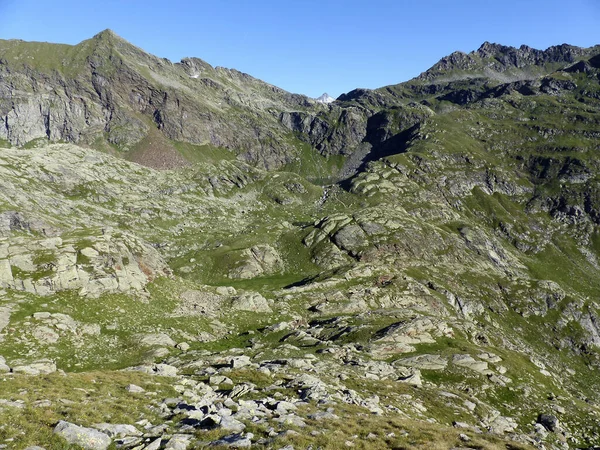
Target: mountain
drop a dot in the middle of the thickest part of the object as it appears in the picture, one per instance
(191, 257)
(325, 98)
(110, 94)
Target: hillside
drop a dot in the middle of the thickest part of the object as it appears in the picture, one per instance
(192, 258)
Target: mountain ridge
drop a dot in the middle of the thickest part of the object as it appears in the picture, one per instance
(267, 134)
(415, 266)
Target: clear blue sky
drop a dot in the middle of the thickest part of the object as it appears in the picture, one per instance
(310, 46)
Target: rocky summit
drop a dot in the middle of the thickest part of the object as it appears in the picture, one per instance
(193, 258)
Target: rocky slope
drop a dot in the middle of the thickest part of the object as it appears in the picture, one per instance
(417, 268)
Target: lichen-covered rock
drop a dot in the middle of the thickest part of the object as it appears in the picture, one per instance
(259, 260)
(35, 368)
(121, 263)
(251, 301)
(156, 339)
(117, 430)
(87, 438)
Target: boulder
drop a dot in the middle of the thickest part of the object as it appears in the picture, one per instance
(134, 389)
(257, 261)
(3, 366)
(240, 361)
(179, 442)
(549, 422)
(251, 302)
(156, 340)
(44, 366)
(470, 363)
(183, 346)
(237, 440)
(410, 376)
(118, 430)
(431, 362)
(350, 238)
(163, 370)
(87, 438)
(502, 424)
(230, 424)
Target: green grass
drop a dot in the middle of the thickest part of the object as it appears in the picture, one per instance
(84, 399)
(203, 153)
(316, 168)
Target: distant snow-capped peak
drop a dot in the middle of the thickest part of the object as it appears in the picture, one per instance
(325, 98)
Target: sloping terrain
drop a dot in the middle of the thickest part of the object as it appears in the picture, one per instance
(410, 267)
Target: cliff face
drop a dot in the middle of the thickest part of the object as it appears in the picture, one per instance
(105, 90)
(109, 94)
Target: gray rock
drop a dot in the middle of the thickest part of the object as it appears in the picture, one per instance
(118, 430)
(134, 388)
(310, 387)
(411, 376)
(323, 415)
(284, 407)
(251, 302)
(231, 424)
(257, 261)
(291, 419)
(216, 380)
(226, 290)
(350, 238)
(224, 412)
(37, 368)
(549, 422)
(502, 424)
(470, 363)
(237, 440)
(12, 404)
(87, 438)
(431, 362)
(154, 445)
(14, 221)
(158, 340)
(183, 346)
(41, 315)
(3, 366)
(128, 442)
(279, 327)
(163, 370)
(489, 357)
(241, 389)
(45, 335)
(540, 430)
(199, 303)
(238, 362)
(5, 311)
(179, 442)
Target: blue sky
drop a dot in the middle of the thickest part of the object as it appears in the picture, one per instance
(310, 46)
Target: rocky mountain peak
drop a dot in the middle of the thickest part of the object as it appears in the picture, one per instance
(103, 43)
(488, 49)
(325, 98)
(493, 60)
(108, 35)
